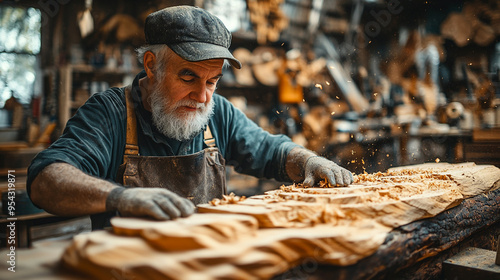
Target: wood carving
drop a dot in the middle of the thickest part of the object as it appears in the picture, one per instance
(267, 18)
(265, 235)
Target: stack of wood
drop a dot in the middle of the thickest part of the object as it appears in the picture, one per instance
(268, 19)
(264, 235)
(478, 22)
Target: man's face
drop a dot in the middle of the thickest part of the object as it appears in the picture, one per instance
(181, 100)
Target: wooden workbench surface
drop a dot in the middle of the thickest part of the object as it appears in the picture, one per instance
(41, 262)
(398, 233)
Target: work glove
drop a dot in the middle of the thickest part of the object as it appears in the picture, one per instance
(304, 165)
(157, 203)
(318, 168)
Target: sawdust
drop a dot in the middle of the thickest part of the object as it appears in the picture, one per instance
(369, 188)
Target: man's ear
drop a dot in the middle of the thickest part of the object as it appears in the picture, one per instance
(149, 62)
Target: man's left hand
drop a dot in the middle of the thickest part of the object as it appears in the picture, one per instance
(319, 168)
(304, 165)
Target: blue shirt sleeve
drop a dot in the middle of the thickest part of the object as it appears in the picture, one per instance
(92, 140)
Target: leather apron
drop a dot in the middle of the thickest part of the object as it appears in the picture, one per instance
(200, 177)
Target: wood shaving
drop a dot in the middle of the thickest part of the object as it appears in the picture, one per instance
(337, 203)
(325, 184)
(227, 199)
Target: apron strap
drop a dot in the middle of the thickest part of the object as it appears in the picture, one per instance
(208, 138)
(131, 144)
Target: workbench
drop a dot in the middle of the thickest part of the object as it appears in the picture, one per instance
(32, 227)
(412, 251)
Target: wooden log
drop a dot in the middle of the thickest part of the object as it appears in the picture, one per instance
(437, 238)
(293, 230)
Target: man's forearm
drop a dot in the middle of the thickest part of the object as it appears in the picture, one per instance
(62, 189)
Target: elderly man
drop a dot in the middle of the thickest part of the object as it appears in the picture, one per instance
(158, 147)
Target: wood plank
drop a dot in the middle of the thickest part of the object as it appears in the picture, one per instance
(16, 145)
(3, 218)
(194, 232)
(492, 134)
(65, 227)
(268, 253)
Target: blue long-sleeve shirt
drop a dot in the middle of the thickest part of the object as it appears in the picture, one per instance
(94, 139)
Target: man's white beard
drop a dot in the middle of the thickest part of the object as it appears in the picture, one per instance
(181, 126)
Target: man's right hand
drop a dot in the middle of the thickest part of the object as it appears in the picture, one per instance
(157, 203)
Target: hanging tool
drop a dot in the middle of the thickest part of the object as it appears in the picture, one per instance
(85, 20)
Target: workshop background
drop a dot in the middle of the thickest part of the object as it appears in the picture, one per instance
(369, 84)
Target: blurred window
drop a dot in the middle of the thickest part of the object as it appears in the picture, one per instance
(20, 43)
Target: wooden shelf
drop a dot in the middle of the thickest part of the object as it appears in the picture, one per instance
(492, 134)
(74, 76)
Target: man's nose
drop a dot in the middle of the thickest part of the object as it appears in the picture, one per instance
(200, 93)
